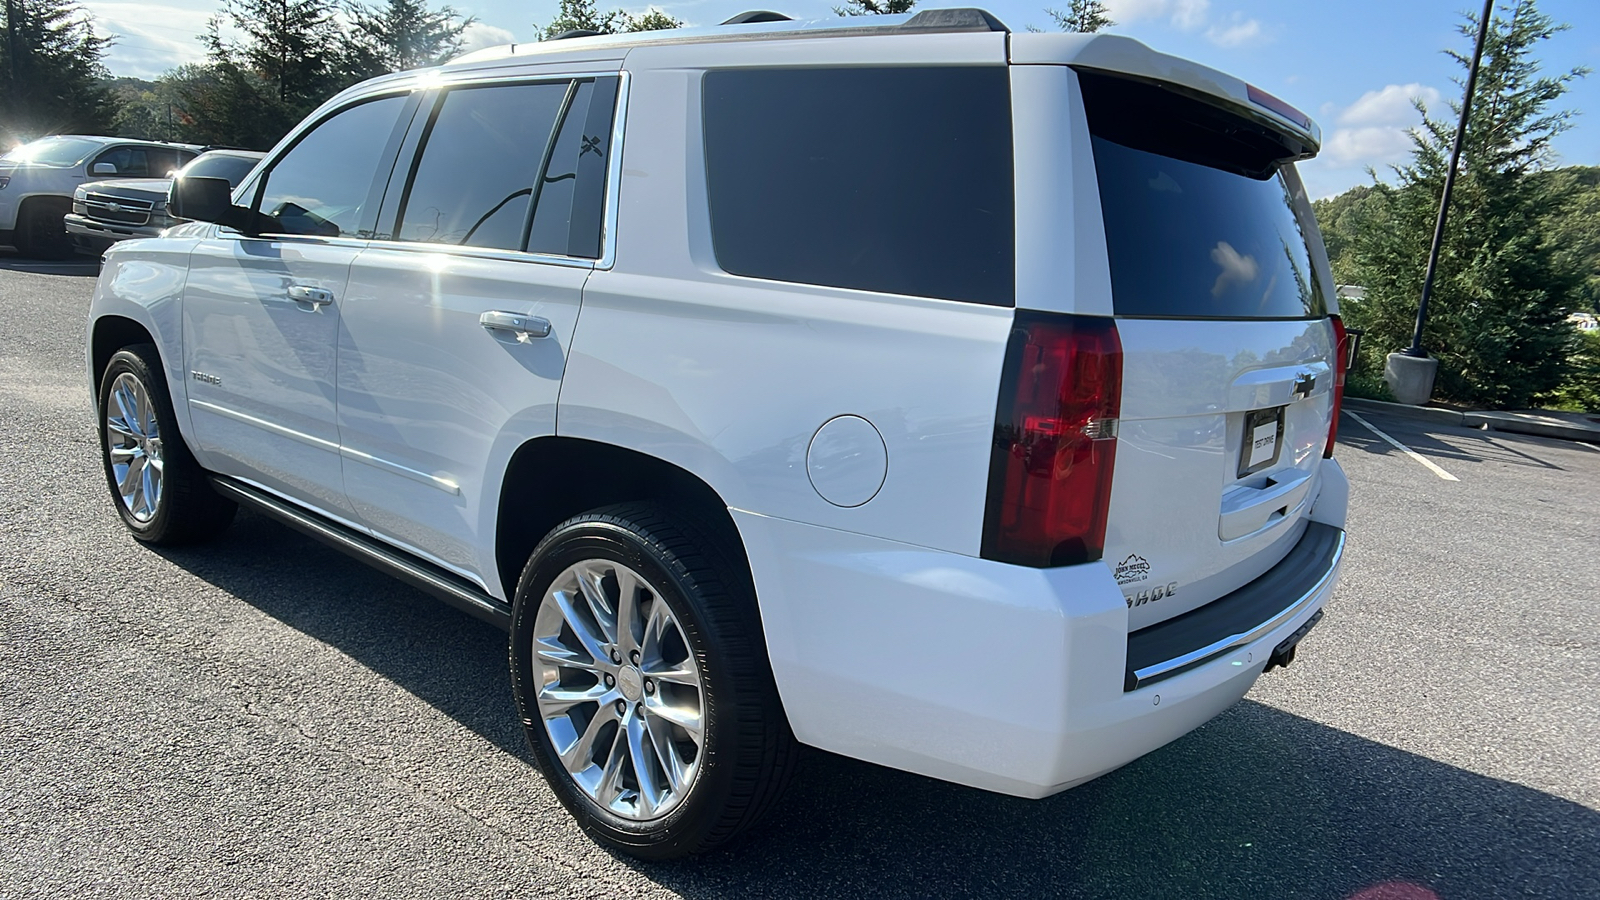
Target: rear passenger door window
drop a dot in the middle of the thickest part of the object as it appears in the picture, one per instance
(897, 180)
(511, 167)
(473, 180)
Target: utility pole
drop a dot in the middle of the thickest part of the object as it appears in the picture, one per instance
(1415, 350)
(11, 42)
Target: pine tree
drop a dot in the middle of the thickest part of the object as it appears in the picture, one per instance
(874, 7)
(52, 77)
(1082, 16)
(1502, 291)
(292, 45)
(585, 15)
(401, 34)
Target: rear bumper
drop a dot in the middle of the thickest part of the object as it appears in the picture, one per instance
(1000, 677)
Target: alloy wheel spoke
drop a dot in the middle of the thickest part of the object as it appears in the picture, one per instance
(610, 785)
(650, 795)
(577, 757)
(591, 582)
(687, 719)
(593, 641)
(560, 655)
(660, 741)
(130, 479)
(118, 426)
(121, 455)
(127, 407)
(557, 699)
(627, 611)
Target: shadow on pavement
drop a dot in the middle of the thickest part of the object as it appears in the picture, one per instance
(1257, 804)
(1463, 444)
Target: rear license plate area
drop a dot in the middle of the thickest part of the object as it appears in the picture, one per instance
(1263, 440)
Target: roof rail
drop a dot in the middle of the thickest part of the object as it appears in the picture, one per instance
(961, 19)
(575, 33)
(757, 15)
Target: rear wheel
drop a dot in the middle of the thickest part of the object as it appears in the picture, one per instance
(157, 486)
(641, 676)
(41, 232)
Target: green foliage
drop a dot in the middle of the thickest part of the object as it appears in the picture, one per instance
(1502, 291)
(585, 15)
(399, 35)
(1082, 16)
(55, 81)
(874, 7)
(1574, 226)
(1580, 392)
(291, 45)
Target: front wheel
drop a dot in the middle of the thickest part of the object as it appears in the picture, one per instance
(158, 488)
(641, 676)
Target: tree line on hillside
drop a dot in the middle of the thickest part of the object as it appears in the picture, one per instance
(1522, 247)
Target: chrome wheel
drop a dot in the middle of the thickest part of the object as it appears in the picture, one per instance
(133, 447)
(619, 691)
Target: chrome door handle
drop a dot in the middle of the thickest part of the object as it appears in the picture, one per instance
(316, 297)
(522, 328)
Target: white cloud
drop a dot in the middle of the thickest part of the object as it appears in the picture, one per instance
(151, 38)
(479, 36)
(1392, 105)
(1190, 14)
(1236, 32)
(1372, 132)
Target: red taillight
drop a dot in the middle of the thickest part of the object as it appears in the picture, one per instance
(1341, 362)
(1055, 441)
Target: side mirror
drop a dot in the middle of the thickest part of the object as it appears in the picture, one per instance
(103, 169)
(206, 200)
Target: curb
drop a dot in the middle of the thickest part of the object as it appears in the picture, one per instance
(1426, 413)
(1532, 423)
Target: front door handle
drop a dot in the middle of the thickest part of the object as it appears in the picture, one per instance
(311, 297)
(515, 325)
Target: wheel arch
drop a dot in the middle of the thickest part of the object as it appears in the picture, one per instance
(550, 479)
(109, 334)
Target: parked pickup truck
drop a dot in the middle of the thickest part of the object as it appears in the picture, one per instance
(104, 212)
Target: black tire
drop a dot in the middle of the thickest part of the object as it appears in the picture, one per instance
(186, 509)
(748, 752)
(41, 231)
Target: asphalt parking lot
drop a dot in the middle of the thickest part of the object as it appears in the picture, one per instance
(264, 717)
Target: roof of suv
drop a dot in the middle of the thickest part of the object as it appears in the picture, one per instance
(1105, 52)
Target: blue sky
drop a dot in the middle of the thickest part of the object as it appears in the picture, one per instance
(1354, 65)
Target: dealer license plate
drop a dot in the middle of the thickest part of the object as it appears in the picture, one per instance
(1263, 438)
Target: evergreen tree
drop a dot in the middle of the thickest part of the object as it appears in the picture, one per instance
(294, 46)
(585, 15)
(874, 7)
(1501, 292)
(401, 34)
(51, 72)
(1082, 16)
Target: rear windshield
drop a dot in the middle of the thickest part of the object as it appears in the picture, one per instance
(1201, 222)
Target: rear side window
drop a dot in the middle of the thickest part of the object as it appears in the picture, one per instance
(571, 193)
(896, 180)
(474, 180)
(1200, 221)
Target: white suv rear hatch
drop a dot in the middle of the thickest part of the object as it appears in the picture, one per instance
(1221, 293)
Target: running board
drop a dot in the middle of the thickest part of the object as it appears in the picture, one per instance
(425, 576)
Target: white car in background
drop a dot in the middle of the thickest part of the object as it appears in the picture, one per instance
(37, 180)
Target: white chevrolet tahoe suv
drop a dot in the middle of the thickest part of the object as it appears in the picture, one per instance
(952, 399)
(38, 179)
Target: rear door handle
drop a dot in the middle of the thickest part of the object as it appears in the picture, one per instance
(515, 325)
(312, 297)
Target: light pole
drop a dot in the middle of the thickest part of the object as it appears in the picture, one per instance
(1410, 372)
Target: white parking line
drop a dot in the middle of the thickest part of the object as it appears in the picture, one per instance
(1432, 467)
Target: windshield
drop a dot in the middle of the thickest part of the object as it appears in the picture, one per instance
(221, 165)
(56, 152)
